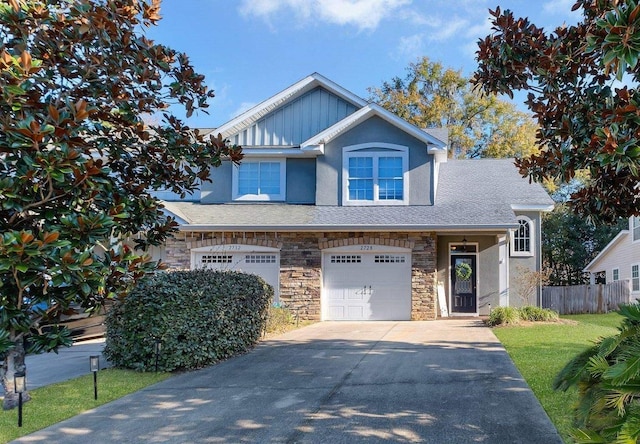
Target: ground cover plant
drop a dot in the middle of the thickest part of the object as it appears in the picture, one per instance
(57, 402)
(541, 350)
(513, 315)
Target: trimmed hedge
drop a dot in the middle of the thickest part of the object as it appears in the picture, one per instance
(199, 316)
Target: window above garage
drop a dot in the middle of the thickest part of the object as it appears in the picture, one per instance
(375, 174)
(259, 180)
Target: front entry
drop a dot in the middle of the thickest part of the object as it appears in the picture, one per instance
(463, 283)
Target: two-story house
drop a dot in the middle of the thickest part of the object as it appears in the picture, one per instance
(620, 259)
(351, 213)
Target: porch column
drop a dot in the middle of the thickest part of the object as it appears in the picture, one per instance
(503, 269)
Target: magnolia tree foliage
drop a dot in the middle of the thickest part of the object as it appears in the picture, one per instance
(480, 125)
(77, 163)
(582, 89)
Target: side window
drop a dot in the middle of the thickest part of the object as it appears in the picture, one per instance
(635, 277)
(615, 274)
(522, 240)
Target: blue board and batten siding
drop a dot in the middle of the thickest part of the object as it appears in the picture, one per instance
(296, 122)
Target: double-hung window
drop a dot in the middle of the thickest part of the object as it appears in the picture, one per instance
(635, 227)
(522, 238)
(259, 179)
(375, 174)
(635, 277)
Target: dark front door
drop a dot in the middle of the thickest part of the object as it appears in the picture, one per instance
(463, 283)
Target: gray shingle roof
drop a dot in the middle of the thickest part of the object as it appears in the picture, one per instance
(471, 194)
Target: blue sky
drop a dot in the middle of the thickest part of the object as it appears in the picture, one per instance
(250, 50)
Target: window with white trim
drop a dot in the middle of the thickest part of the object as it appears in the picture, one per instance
(615, 274)
(635, 277)
(635, 227)
(375, 174)
(522, 238)
(259, 179)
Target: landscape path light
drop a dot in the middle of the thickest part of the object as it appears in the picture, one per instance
(94, 365)
(158, 349)
(20, 386)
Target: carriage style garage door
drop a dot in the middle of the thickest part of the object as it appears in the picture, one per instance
(370, 283)
(263, 261)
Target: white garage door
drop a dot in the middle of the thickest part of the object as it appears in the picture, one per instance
(363, 285)
(265, 264)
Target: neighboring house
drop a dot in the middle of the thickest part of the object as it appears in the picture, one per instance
(620, 259)
(351, 213)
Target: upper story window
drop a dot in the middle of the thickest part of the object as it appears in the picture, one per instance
(522, 238)
(635, 227)
(375, 174)
(259, 179)
(635, 277)
(615, 274)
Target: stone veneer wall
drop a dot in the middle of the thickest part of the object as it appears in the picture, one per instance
(301, 262)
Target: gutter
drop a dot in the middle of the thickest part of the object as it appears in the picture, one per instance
(339, 228)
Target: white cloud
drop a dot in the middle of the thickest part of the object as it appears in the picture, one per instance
(363, 14)
(557, 7)
(448, 28)
(244, 106)
(475, 33)
(410, 47)
(560, 10)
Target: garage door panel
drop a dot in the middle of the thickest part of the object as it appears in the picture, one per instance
(368, 286)
(355, 312)
(265, 265)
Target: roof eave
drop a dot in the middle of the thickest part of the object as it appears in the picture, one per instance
(605, 250)
(339, 228)
(533, 207)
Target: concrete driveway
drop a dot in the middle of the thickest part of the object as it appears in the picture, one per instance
(435, 382)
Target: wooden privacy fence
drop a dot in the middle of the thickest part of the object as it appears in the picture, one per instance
(594, 298)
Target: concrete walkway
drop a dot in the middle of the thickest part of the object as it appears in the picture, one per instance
(434, 382)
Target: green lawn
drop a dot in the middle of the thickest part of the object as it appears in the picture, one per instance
(57, 402)
(541, 351)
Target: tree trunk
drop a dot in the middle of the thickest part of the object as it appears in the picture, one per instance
(13, 362)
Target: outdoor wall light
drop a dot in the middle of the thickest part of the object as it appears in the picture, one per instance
(20, 386)
(94, 365)
(158, 349)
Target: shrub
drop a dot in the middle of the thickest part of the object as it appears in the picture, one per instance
(199, 316)
(504, 316)
(537, 314)
(278, 319)
(608, 379)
